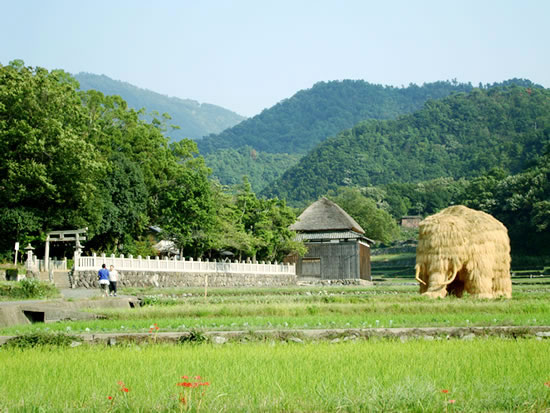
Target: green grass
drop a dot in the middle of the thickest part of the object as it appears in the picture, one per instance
(393, 257)
(27, 289)
(391, 305)
(380, 375)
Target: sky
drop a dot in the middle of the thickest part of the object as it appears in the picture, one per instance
(247, 55)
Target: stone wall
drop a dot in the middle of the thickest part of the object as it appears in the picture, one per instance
(88, 279)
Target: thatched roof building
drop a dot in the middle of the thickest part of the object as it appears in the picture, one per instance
(337, 246)
(325, 215)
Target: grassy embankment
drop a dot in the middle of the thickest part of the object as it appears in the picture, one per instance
(396, 304)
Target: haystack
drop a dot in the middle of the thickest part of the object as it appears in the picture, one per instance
(461, 249)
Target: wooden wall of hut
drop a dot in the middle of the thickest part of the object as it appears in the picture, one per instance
(335, 261)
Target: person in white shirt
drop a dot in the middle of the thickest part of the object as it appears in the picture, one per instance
(113, 278)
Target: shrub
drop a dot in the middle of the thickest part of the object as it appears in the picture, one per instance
(28, 288)
(39, 339)
(194, 337)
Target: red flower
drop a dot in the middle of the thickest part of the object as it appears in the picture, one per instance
(206, 383)
(197, 377)
(182, 399)
(452, 401)
(547, 384)
(120, 383)
(125, 390)
(184, 377)
(110, 397)
(445, 391)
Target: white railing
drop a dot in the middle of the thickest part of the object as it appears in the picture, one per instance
(55, 265)
(130, 263)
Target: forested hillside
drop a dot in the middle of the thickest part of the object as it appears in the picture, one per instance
(463, 135)
(73, 159)
(296, 125)
(194, 119)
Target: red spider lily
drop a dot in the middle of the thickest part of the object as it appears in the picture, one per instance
(184, 377)
(206, 383)
(197, 377)
(452, 401)
(110, 397)
(445, 391)
(125, 390)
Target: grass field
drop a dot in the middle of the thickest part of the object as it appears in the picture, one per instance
(393, 305)
(481, 375)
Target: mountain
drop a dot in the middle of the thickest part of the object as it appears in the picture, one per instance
(463, 135)
(194, 119)
(295, 125)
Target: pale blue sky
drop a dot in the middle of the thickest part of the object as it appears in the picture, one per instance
(248, 55)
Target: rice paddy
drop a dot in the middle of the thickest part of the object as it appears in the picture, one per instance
(481, 374)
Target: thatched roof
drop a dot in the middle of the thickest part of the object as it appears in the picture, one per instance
(325, 215)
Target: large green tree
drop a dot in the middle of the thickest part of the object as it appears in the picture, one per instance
(377, 223)
(185, 201)
(49, 171)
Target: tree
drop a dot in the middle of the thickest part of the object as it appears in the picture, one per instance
(49, 171)
(377, 223)
(185, 201)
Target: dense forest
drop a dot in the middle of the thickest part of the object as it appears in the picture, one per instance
(73, 159)
(194, 119)
(520, 201)
(461, 136)
(297, 124)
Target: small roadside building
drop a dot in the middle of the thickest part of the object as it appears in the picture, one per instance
(337, 246)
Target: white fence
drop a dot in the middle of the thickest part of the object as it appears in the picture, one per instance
(147, 264)
(55, 265)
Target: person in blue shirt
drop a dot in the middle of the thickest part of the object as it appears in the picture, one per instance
(103, 276)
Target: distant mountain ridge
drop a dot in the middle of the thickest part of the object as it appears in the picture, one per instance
(297, 124)
(194, 119)
(264, 146)
(462, 135)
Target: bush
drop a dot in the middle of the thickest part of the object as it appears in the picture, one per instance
(194, 337)
(39, 339)
(28, 288)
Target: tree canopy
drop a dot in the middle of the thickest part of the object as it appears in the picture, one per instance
(75, 159)
(461, 136)
(275, 139)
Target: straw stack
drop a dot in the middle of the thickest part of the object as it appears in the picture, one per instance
(460, 249)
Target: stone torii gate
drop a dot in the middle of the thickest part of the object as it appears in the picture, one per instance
(63, 236)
